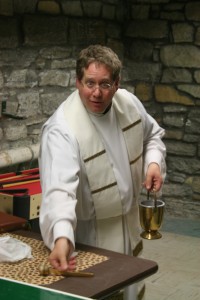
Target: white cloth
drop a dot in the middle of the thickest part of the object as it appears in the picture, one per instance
(13, 250)
(109, 130)
(64, 179)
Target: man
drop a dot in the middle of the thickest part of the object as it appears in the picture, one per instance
(95, 151)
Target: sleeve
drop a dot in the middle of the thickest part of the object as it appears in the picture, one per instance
(154, 149)
(59, 168)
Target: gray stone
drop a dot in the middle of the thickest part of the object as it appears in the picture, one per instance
(153, 1)
(48, 7)
(196, 184)
(177, 177)
(182, 32)
(31, 78)
(49, 35)
(192, 126)
(187, 56)
(177, 190)
(192, 10)
(1, 80)
(191, 138)
(113, 30)
(141, 50)
(193, 90)
(34, 120)
(15, 131)
(6, 8)
(22, 7)
(174, 120)
(54, 78)
(197, 36)
(72, 81)
(141, 71)
(10, 108)
(63, 64)
(17, 79)
(173, 134)
(22, 142)
(9, 33)
(180, 148)
(173, 6)
(140, 12)
(4, 145)
(116, 46)
(194, 114)
(149, 29)
(182, 208)
(172, 16)
(50, 102)
(108, 12)
(1, 135)
(72, 8)
(193, 122)
(176, 75)
(29, 104)
(184, 165)
(56, 52)
(92, 9)
(197, 76)
(40, 63)
(20, 58)
(84, 32)
(174, 108)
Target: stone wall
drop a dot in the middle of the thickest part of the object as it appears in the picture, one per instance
(159, 44)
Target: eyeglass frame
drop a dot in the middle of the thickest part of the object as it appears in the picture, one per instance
(107, 86)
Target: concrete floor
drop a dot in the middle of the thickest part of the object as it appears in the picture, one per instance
(178, 256)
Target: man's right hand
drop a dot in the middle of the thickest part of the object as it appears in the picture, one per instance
(59, 257)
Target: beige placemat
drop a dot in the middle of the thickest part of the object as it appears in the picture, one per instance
(27, 270)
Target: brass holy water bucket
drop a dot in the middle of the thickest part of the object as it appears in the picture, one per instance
(151, 218)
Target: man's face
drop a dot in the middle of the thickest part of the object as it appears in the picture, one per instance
(96, 89)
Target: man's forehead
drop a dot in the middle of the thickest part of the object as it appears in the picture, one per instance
(97, 68)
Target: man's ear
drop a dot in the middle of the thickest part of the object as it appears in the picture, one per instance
(116, 84)
(78, 83)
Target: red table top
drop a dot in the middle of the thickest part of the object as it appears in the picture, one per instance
(31, 187)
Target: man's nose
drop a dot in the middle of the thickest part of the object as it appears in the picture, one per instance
(97, 90)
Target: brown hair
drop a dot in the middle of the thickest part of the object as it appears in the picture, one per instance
(101, 55)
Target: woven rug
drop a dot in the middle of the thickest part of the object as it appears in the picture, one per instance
(27, 270)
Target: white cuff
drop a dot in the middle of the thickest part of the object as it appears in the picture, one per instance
(64, 229)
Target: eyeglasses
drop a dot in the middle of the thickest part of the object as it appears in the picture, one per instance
(103, 86)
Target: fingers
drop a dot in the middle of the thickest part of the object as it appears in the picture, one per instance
(59, 257)
(153, 184)
(62, 264)
(72, 263)
(58, 262)
(153, 181)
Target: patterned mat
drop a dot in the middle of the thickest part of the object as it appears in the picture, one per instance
(27, 270)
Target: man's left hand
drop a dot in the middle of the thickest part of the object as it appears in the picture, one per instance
(153, 181)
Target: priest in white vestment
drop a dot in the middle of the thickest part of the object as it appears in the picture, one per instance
(97, 151)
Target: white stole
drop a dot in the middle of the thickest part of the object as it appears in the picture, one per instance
(105, 193)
